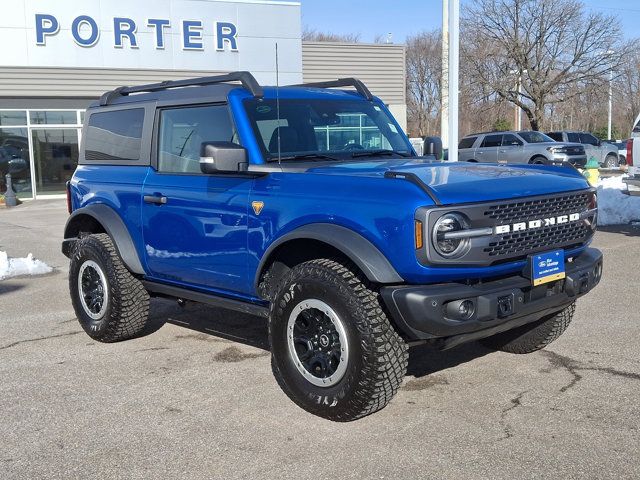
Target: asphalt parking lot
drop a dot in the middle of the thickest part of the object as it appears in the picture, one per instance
(196, 398)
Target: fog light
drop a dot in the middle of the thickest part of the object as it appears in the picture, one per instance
(597, 272)
(461, 309)
(466, 309)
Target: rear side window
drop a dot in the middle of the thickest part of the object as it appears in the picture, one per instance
(557, 136)
(114, 135)
(467, 142)
(573, 137)
(182, 131)
(510, 140)
(492, 141)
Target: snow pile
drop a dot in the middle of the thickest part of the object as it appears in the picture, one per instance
(13, 267)
(615, 207)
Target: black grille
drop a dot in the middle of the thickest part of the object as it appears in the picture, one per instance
(535, 209)
(518, 244)
(522, 243)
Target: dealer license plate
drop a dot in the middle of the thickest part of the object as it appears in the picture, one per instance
(547, 267)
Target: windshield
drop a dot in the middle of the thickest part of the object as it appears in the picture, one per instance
(535, 137)
(326, 129)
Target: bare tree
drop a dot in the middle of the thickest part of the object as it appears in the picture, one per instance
(627, 87)
(424, 66)
(551, 45)
(312, 35)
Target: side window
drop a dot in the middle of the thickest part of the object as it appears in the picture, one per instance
(557, 136)
(182, 131)
(114, 135)
(588, 139)
(492, 141)
(573, 137)
(467, 142)
(510, 140)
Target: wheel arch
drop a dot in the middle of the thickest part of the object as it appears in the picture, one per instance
(100, 218)
(324, 239)
(538, 156)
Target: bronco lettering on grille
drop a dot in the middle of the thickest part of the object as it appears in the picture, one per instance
(533, 224)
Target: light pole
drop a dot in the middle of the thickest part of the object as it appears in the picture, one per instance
(453, 84)
(610, 103)
(444, 106)
(518, 110)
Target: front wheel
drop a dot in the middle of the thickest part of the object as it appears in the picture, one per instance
(334, 351)
(533, 336)
(611, 161)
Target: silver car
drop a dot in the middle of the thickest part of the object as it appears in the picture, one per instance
(519, 147)
(605, 153)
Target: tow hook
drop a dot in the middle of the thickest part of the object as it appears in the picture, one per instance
(505, 306)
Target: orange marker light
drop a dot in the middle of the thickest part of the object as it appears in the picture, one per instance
(418, 234)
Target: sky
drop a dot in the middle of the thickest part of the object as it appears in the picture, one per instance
(403, 18)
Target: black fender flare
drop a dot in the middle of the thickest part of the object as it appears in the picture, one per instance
(115, 228)
(354, 246)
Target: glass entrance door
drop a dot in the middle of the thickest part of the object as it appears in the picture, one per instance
(55, 155)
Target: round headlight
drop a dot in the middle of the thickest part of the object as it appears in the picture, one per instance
(448, 245)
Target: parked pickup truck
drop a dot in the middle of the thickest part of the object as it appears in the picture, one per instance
(307, 206)
(633, 165)
(605, 153)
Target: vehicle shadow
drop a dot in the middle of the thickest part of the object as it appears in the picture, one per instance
(250, 330)
(425, 359)
(628, 230)
(218, 322)
(10, 287)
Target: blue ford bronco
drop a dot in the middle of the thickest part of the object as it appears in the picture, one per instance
(308, 206)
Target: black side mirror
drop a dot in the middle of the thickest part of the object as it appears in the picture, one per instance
(432, 146)
(222, 157)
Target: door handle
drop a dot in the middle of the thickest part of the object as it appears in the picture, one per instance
(157, 199)
(503, 151)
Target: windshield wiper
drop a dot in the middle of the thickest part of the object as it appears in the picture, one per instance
(377, 153)
(305, 156)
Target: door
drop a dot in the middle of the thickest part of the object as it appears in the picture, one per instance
(592, 147)
(488, 149)
(195, 225)
(511, 150)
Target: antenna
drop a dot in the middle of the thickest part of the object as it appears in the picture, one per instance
(278, 104)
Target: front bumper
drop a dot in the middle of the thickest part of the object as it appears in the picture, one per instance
(423, 312)
(577, 161)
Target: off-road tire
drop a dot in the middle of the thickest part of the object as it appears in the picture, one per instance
(611, 161)
(127, 307)
(534, 336)
(377, 355)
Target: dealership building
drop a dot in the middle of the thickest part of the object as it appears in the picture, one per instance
(60, 55)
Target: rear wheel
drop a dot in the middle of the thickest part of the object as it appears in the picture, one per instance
(611, 161)
(534, 336)
(110, 303)
(334, 351)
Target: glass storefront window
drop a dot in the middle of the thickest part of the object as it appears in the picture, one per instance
(55, 154)
(14, 159)
(10, 118)
(53, 117)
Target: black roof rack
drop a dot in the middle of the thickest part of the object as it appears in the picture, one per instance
(341, 82)
(247, 80)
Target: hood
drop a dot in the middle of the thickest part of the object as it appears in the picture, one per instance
(461, 182)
